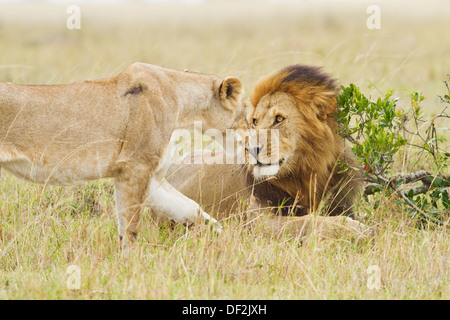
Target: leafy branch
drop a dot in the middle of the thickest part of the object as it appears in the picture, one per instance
(379, 130)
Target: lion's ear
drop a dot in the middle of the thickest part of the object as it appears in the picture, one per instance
(325, 103)
(230, 92)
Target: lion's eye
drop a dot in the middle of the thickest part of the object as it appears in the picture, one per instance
(255, 122)
(279, 119)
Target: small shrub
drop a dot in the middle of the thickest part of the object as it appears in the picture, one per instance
(379, 130)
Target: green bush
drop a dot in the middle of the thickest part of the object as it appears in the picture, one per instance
(379, 130)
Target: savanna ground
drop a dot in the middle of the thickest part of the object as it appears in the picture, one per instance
(43, 231)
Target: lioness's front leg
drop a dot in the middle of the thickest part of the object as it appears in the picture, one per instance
(165, 199)
(130, 192)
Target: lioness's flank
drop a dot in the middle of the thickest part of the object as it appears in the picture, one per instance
(114, 128)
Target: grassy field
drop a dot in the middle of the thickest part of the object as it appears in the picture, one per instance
(43, 231)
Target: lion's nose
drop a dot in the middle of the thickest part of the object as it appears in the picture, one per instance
(255, 151)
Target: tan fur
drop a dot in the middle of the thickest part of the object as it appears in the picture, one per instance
(310, 147)
(114, 128)
(309, 142)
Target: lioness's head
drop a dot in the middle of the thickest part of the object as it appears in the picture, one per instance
(193, 97)
(298, 102)
(229, 102)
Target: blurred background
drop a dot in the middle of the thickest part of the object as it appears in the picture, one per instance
(247, 38)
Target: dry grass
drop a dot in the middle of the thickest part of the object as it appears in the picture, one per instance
(43, 231)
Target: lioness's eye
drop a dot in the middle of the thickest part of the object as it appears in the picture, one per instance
(255, 122)
(279, 119)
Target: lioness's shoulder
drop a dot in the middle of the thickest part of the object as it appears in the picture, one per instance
(140, 69)
(137, 67)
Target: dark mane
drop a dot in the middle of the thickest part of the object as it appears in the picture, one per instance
(299, 80)
(310, 75)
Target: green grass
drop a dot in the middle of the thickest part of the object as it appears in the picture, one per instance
(45, 230)
(39, 242)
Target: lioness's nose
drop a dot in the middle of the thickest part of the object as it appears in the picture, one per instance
(254, 151)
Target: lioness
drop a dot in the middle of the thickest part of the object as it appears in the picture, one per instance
(305, 175)
(114, 128)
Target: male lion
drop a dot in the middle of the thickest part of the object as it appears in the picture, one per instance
(306, 172)
(114, 128)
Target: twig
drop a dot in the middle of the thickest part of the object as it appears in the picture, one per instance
(424, 176)
(421, 175)
(406, 199)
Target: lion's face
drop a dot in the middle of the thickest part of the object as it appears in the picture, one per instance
(270, 141)
(283, 133)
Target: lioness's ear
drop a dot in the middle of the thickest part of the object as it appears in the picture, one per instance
(326, 103)
(230, 91)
